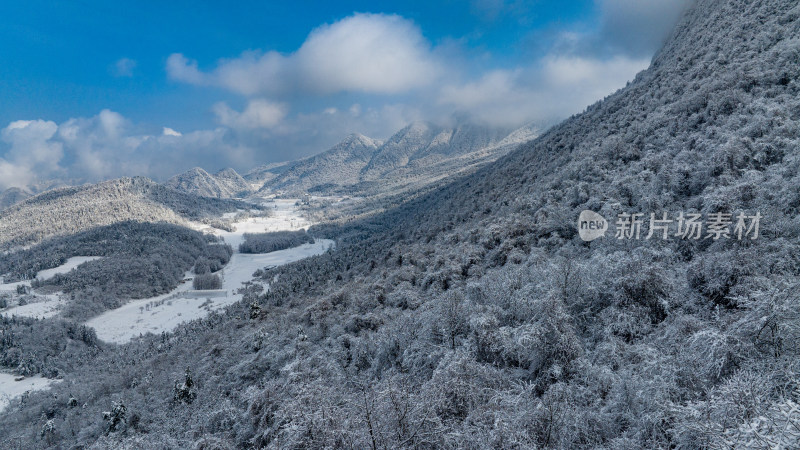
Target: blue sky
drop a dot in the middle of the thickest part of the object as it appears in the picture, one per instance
(93, 90)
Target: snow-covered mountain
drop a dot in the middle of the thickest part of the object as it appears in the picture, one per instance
(231, 182)
(340, 165)
(422, 141)
(415, 156)
(73, 209)
(226, 183)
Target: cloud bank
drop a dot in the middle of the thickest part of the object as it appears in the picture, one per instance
(371, 53)
(386, 59)
(366, 73)
(104, 146)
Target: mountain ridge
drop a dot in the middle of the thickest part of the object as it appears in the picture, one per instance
(78, 208)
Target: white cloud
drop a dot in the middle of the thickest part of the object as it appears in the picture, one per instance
(635, 28)
(558, 87)
(167, 131)
(372, 53)
(31, 153)
(258, 113)
(180, 68)
(108, 145)
(124, 67)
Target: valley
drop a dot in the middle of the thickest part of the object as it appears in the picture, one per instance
(162, 313)
(431, 289)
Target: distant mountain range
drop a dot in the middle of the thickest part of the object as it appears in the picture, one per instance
(416, 156)
(359, 165)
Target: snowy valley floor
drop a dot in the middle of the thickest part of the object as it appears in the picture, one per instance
(165, 312)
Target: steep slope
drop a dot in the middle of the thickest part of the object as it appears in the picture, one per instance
(195, 181)
(474, 316)
(70, 210)
(339, 165)
(397, 150)
(422, 141)
(232, 183)
(415, 157)
(262, 174)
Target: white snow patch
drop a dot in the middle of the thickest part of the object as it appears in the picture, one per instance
(284, 217)
(39, 307)
(241, 267)
(231, 215)
(10, 389)
(71, 263)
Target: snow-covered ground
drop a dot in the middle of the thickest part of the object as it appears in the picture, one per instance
(66, 267)
(39, 307)
(241, 267)
(283, 217)
(42, 306)
(164, 313)
(10, 389)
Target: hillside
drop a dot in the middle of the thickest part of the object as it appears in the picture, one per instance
(420, 141)
(340, 165)
(74, 209)
(415, 157)
(224, 184)
(475, 317)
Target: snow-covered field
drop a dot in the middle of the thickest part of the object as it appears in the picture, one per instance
(10, 389)
(40, 307)
(241, 267)
(284, 217)
(164, 313)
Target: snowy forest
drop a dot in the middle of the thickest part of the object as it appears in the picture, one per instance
(472, 314)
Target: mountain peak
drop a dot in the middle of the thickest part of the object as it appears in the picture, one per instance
(358, 139)
(226, 183)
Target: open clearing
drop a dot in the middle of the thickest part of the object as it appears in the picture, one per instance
(42, 306)
(10, 389)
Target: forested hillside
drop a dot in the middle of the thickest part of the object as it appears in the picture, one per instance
(74, 209)
(475, 317)
(138, 260)
(224, 184)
